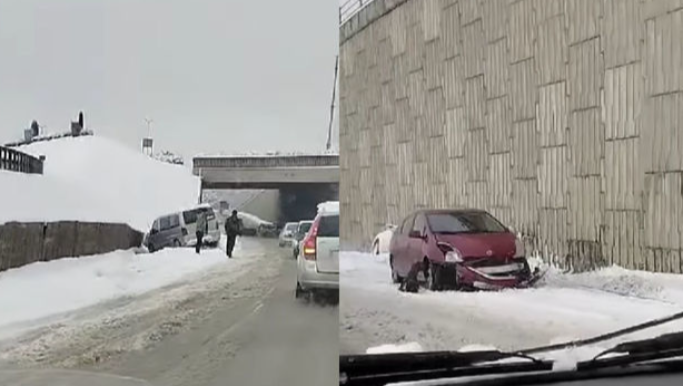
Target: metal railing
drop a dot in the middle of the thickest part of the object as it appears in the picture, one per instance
(266, 162)
(17, 161)
(350, 8)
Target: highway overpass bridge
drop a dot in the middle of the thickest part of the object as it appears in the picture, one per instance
(302, 180)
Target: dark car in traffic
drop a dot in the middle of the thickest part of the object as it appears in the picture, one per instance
(458, 249)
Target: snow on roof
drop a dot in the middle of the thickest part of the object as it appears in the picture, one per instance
(329, 207)
(93, 178)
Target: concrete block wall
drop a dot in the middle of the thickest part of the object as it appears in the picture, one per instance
(26, 243)
(561, 117)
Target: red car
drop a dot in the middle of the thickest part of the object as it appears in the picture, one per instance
(458, 249)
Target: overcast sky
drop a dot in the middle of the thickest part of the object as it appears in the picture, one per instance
(215, 76)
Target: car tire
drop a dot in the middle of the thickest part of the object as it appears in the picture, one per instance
(433, 276)
(213, 244)
(301, 294)
(394, 275)
(376, 248)
(177, 243)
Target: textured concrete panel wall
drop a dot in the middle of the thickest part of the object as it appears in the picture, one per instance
(26, 243)
(561, 117)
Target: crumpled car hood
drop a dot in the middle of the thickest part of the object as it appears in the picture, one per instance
(64, 378)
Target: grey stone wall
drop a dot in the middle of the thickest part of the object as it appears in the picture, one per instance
(561, 117)
(26, 243)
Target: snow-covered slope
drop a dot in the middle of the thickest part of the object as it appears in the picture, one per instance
(97, 179)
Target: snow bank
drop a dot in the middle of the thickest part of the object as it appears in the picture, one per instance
(107, 179)
(44, 289)
(395, 348)
(32, 197)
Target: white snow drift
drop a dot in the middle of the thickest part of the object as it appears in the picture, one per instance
(93, 178)
(44, 289)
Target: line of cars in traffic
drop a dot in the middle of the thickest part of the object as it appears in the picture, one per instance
(315, 245)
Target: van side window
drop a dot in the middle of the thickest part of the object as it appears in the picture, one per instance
(174, 221)
(189, 217)
(165, 223)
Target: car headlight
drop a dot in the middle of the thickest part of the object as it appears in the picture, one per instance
(519, 248)
(451, 254)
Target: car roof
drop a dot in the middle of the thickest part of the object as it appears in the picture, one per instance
(449, 210)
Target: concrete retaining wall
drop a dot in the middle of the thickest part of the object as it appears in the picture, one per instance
(25, 243)
(561, 117)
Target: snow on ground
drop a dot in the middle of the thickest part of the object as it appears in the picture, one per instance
(94, 178)
(563, 308)
(43, 289)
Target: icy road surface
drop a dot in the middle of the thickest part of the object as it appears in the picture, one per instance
(209, 329)
(375, 317)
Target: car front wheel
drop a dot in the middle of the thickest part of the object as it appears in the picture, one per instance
(433, 276)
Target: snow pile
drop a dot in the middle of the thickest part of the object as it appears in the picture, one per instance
(269, 154)
(396, 348)
(36, 198)
(43, 289)
(109, 178)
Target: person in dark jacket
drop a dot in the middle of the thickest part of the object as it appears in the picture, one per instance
(201, 229)
(233, 228)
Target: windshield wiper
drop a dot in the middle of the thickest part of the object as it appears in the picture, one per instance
(382, 369)
(662, 347)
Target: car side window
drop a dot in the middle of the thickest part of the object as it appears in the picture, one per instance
(418, 223)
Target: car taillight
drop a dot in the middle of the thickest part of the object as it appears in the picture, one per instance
(309, 247)
(184, 231)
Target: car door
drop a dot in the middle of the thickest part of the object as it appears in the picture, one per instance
(415, 245)
(402, 254)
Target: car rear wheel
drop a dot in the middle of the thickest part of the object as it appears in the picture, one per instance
(177, 243)
(301, 293)
(376, 248)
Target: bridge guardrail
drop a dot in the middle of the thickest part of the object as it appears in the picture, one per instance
(17, 161)
(269, 161)
(350, 8)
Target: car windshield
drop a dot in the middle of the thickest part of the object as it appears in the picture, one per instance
(291, 227)
(462, 222)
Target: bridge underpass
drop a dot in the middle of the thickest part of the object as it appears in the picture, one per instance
(302, 181)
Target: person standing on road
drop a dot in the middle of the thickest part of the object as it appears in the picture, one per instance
(233, 228)
(201, 228)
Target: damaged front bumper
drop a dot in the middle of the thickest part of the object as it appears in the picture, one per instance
(489, 275)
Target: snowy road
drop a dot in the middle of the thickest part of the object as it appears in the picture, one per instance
(228, 325)
(373, 313)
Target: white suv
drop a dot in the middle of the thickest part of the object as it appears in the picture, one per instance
(318, 258)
